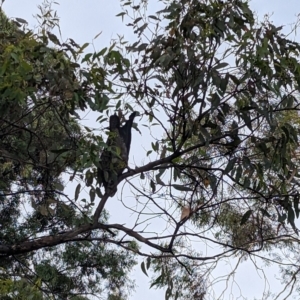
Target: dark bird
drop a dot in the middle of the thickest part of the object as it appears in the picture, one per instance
(114, 158)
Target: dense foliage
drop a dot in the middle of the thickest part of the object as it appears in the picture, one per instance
(216, 181)
(42, 90)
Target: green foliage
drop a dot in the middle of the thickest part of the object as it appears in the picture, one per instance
(225, 92)
(43, 89)
(218, 100)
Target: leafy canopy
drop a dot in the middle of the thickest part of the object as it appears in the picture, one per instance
(216, 181)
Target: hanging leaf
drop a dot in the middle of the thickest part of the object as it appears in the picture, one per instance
(148, 262)
(152, 185)
(92, 195)
(77, 191)
(59, 186)
(144, 269)
(182, 188)
(246, 216)
(158, 280)
(230, 165)
(291, 215)
(296, 205)
(220, 65)
(20, 20)
(265, 213)
(281, 218)
(53, 38)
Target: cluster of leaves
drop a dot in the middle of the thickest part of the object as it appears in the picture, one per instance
(42, 90)
(223, 92)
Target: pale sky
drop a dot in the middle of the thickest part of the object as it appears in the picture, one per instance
(83, 20)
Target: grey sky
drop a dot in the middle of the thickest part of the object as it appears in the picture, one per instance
(82, 20)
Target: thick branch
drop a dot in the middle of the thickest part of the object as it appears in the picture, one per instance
(71, 236)
(45, 241)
